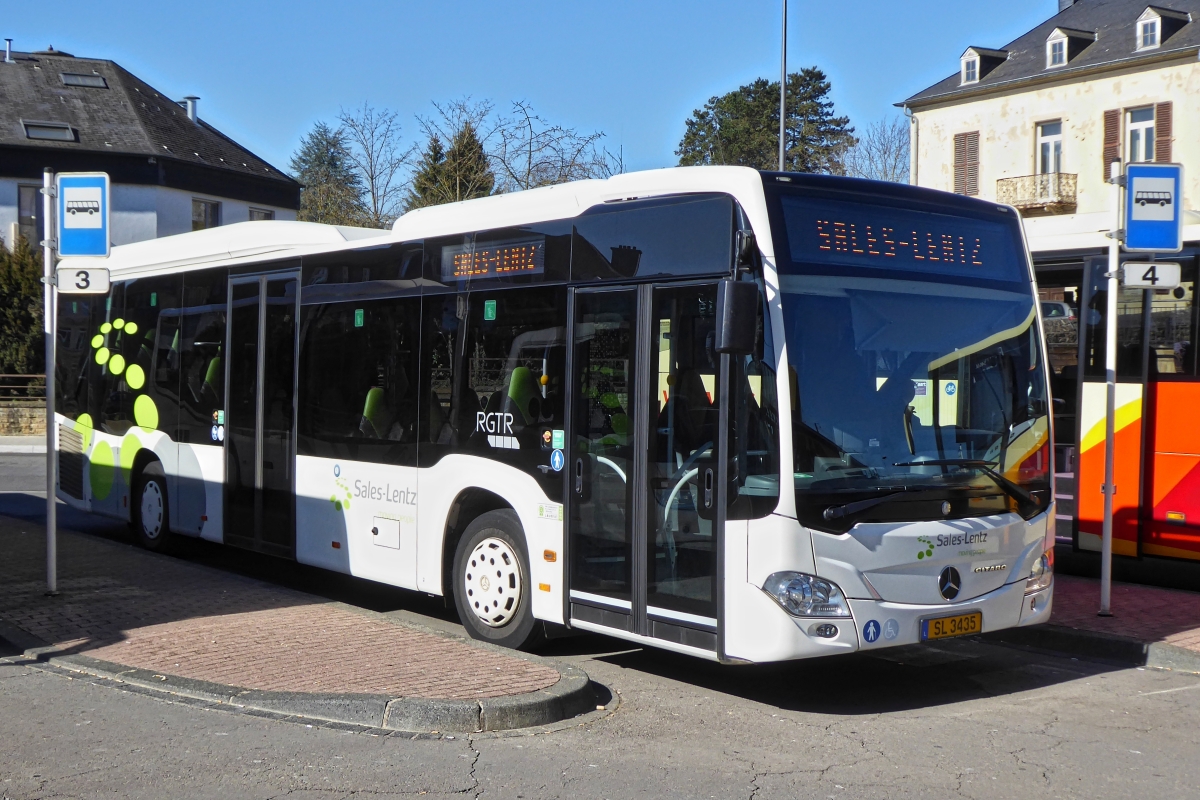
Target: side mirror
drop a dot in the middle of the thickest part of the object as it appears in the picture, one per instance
(737, 314)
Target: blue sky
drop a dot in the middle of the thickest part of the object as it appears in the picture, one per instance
(267, 70)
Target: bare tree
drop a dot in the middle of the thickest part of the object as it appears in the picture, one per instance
(530, 152)
(881, 153)
(375, 152)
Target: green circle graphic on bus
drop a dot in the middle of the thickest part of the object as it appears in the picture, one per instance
(101, 470)
(926, 547)
(128, 452)
(145, 413)
(340, 503)
(83, 426)
(135, 377)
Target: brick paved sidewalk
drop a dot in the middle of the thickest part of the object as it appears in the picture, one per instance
(123, 605)
(1145, 613)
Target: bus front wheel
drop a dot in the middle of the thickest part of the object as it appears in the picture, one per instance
(491, 582)
(150, 517)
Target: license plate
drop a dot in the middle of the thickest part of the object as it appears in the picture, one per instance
(946, 627)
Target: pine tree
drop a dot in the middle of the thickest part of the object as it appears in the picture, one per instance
(468, 173)
(447, 175)
(428, 176)
(333, 190)
(22, 345)
(742, 127)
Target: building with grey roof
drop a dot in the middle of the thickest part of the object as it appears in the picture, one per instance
(171, 171)
(1037, 124)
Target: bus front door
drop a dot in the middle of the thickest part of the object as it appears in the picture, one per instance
(259, 416)
(644, 433)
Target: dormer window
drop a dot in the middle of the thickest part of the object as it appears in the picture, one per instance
(970, 70)
(1156, 25)
(1064, 44)
(978, 62)
(1148, 34)
(1056, 56)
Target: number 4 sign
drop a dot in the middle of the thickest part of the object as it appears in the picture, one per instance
(1151, 274)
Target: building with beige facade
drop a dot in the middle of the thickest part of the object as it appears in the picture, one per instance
(1037, 124)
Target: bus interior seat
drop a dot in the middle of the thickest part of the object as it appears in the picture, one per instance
(377, 419)
(523, 388)
(213, 378)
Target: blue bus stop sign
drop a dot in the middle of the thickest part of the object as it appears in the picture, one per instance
(83, 205)
(1154, 208)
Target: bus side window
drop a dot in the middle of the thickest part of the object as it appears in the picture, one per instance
(146, 300)
(359, 380)
(201, 335)
(439, 340)
(515, 357)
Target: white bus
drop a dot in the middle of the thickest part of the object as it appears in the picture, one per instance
(746, 416)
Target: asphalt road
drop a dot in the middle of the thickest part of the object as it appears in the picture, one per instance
(966, 718)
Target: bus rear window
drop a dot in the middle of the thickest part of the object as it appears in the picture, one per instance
(828, 236)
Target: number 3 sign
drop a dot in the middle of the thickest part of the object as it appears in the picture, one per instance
(82, 280)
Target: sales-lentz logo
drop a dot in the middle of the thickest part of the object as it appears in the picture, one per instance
(367, 490)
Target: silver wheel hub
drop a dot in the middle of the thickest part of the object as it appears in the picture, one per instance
(493, 582)
(152, 510)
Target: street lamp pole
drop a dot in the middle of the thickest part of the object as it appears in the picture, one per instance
(783, 88)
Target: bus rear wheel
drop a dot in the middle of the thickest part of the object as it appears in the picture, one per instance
(491, 582)
(150, 517)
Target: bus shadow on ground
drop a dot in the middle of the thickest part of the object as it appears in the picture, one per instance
(897, 679)
(27, 565)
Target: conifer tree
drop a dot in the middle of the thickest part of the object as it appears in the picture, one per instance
(333, 190)
(742, 127)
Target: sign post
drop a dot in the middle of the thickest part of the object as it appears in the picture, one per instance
(1150, 220)
(49, 324)
(75, 207)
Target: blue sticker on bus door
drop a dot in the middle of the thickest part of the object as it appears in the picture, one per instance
(871, 631)
(557, 460)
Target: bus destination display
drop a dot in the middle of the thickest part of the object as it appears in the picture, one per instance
(494, 260)
(884, 237)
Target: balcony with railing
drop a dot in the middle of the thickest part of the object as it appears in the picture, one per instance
(1049, 192)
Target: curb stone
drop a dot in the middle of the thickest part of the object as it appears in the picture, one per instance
(571, 696)
(1096, 645)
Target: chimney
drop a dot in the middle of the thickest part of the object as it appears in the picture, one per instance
(1063, 5)
(190, 102)
(8, 51)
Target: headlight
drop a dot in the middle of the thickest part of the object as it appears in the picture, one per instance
(1042, 575)
(806, 595)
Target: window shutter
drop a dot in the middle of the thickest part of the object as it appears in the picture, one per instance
(1112, 139)
(1162, 132)
(966, 163)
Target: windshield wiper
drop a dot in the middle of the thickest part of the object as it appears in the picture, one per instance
(1008, 487)
(837, 512)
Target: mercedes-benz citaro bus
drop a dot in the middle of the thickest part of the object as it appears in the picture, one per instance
(744, 415)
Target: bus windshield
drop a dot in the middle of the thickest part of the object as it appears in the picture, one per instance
(917, 373)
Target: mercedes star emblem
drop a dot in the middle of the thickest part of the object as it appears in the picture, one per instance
(949, 582)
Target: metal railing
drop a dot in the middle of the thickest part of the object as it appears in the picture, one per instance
(1049, 190)
(22, 390)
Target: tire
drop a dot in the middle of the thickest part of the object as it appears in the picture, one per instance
(151, 518)
(494, 606)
